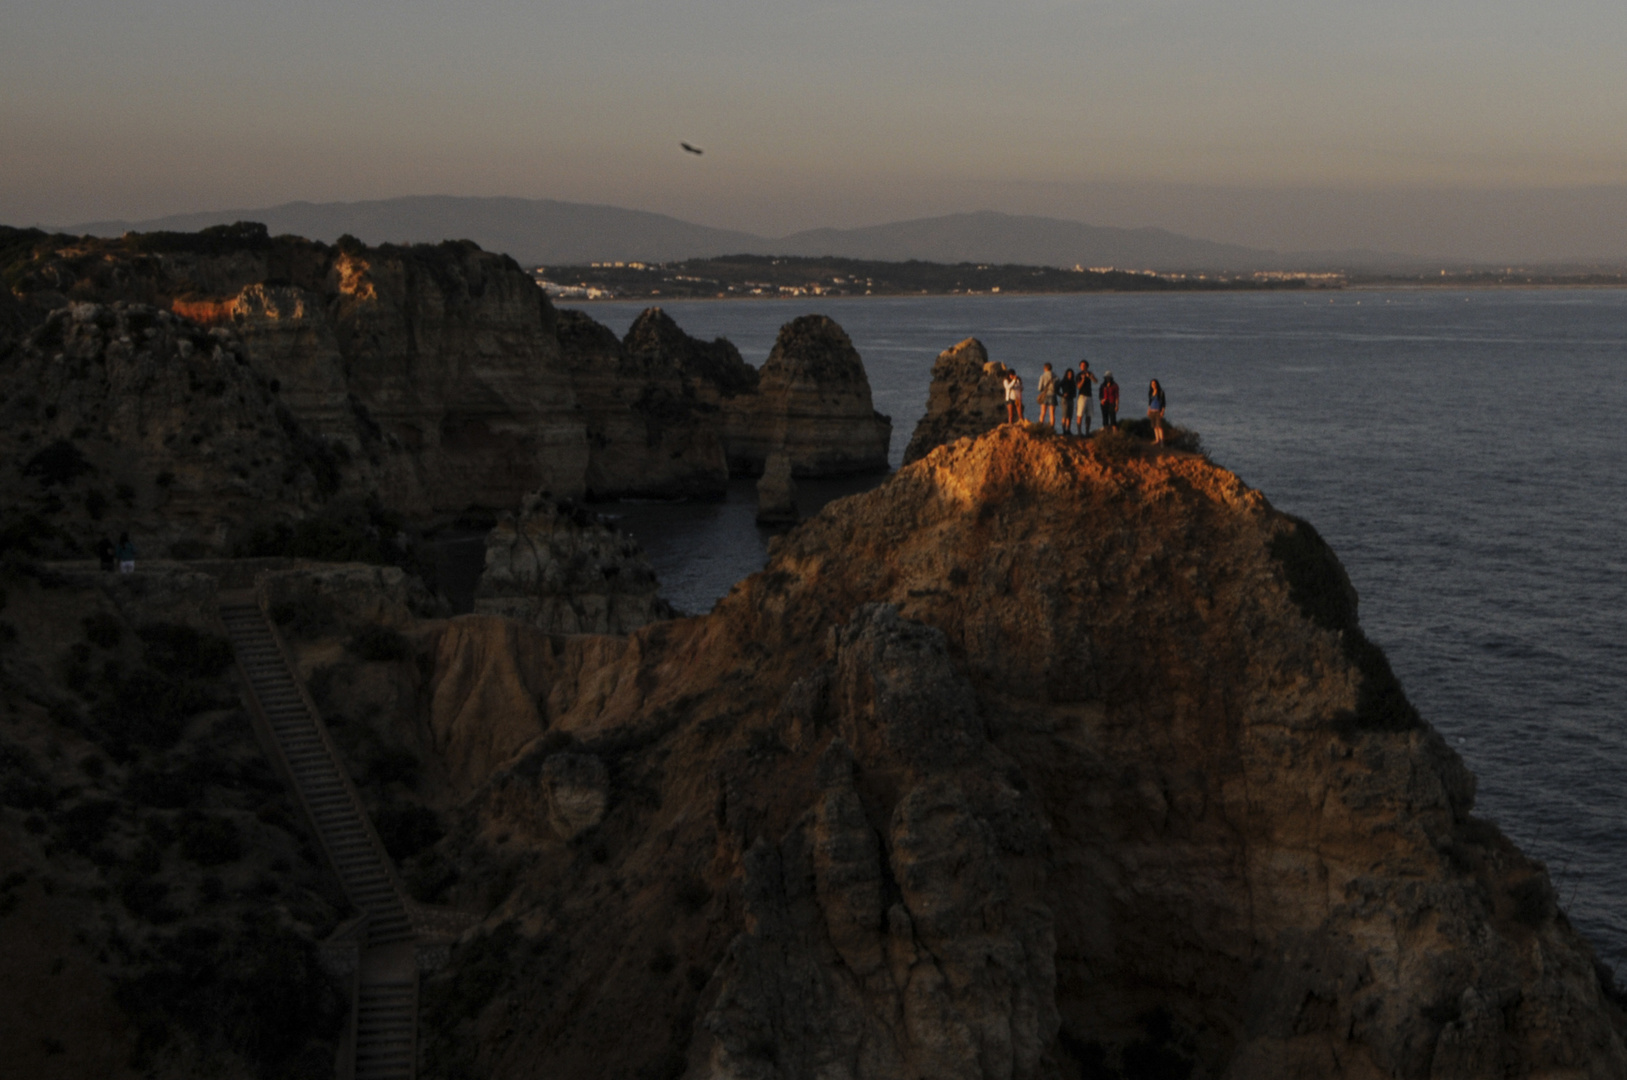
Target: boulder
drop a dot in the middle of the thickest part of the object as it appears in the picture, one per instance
(966, 397)
(576, 790)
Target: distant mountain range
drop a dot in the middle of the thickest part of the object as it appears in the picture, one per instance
(543, 232)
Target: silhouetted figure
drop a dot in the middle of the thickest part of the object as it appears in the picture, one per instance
(104, 552)
(126, 554)
(1065, 389)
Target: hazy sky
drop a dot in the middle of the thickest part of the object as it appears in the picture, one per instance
(1286, 124)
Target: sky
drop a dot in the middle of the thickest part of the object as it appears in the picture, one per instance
(1479, 128)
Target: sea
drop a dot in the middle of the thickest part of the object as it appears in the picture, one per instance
(1462, 451)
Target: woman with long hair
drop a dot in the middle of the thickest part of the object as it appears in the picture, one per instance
(1155, 410)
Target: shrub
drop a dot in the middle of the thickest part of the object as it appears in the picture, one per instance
(176, 789)
(59, 463)
(210, 840)
(83, 826)
(185, 651)
(146, 897)
(149, 709)
(391, 765)
(258, 992)
(103, 629)
(378, 644)
(305, 616)
(407, 829)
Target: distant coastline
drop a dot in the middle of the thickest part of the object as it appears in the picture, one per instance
(748, 277)
(764, 277)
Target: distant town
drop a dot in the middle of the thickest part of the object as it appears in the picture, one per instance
(746, 276)
(765, 276)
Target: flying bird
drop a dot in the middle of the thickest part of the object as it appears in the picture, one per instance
(692, 149)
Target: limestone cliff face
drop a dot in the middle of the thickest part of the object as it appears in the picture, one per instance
(1044, 759)
(813, 399)
(124, 417)
(434, 371)
(566, 573)
(967, 397)
(647, 434)
(455, 358)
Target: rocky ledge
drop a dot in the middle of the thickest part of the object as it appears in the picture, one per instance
(1046, 758)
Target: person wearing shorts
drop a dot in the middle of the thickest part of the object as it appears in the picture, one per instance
(1086, 407)
(1047, 396)
(1014, 396)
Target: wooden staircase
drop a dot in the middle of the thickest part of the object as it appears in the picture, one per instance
(384, 1015)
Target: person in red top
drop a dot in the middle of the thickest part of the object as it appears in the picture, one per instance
(1110, 402)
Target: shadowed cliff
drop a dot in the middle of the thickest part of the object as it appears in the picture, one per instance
(1045, 758)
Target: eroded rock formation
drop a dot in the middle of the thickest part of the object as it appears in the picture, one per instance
(967, 397)
(813, 400)
(1044, 759)
(777, 492)
(648, 432)
(564, 572)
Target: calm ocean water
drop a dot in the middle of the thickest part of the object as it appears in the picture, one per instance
(1459, 450)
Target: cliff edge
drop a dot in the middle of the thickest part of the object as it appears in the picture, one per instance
(1044, 759)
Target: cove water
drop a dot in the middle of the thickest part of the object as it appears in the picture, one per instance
(1459, 450)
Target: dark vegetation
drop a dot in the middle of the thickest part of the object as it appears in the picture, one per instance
(343, 532)
(173, 837)
(453, 999)
(251, 987)
(765, 275)
(1319, 588)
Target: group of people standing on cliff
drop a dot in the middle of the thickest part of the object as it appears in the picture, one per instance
(1077, 393)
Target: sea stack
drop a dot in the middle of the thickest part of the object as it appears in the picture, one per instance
(813, 398)
(649, 434)
(777, 492)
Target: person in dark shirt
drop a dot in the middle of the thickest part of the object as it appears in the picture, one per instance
(104, 552)
(1110, 402)
(1087, 408)
(1065, 389)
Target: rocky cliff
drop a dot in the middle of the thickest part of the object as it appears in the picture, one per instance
(813, 399)
(650, 434)
(966, 397)
(429, 377)
(1044, 759)
(564, 572)
(126, 417)
(432, 379)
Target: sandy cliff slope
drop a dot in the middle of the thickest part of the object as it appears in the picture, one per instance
(1043, 759)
